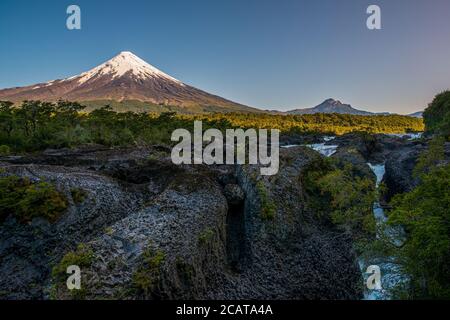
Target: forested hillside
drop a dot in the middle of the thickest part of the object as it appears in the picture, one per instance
(38, 125)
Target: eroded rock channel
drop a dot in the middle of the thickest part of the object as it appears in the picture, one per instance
(153, 230)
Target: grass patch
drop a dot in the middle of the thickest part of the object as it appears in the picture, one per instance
(147, 276)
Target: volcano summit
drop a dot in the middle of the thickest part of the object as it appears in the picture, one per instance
(126, 77)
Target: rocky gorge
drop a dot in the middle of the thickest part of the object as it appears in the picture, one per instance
(147, 229)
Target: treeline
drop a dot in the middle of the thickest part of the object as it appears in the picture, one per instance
(36, 125)
(437, 115)
(424, 214)
(39, 125)
(324, 123)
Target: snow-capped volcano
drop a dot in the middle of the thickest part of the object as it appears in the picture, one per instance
(123, 64)
(123, 78)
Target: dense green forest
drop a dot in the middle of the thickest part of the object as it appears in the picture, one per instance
(38, 125)
(324, 123)
(437, 115)
(424, 214)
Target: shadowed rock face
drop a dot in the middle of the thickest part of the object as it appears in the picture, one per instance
(399, 169)
(205, 221)
(400, 165)
(293, 255)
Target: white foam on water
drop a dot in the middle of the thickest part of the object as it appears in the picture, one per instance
(379, 170)
(324, 149)
(409, 136)
(291, 146)
(390, 271)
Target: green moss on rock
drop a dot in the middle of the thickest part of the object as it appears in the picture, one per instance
(205, 236)
(147, 276)
(82, 257)
(268, 207)
(78, 195)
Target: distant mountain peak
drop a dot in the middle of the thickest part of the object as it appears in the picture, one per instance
(418, 114)
(125, 63)
(125, 77)
(332, 101)
(330, 105)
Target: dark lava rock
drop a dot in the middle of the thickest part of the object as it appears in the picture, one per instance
(234, 194)
(292, 255)
(213, 240)
(400, 165)
(374, 148)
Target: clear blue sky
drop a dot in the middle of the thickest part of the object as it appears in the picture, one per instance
(276, 54)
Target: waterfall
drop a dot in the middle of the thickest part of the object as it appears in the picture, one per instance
(409, 136)
(322, 148)
(390, 271)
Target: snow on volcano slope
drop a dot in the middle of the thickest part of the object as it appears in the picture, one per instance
(124, 77)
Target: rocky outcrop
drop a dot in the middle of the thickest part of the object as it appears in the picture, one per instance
(28, 250)
(374, 148)
(289, 254)
(399, 169)
(400, 165)
(131, 204)
(159, 231)
(300, 139)
(234, 194)
(185, 223)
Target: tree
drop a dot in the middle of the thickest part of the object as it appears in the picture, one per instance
(437, 115)
(7, 121)
(424, 214)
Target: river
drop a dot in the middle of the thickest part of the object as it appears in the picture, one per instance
(390, 271)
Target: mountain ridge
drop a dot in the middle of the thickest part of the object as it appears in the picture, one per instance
(331, 106)
(128, 83)
(418, 114)
(125, 77)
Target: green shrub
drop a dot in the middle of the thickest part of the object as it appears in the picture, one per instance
(147, 276)
(437, 115)
(431, 157)
(27, 200)
(340, 195)
(424, 214)
(268, 207)
(81, 257)
(78, 195)
(352, 199)
(205, 236)
(5, 150)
